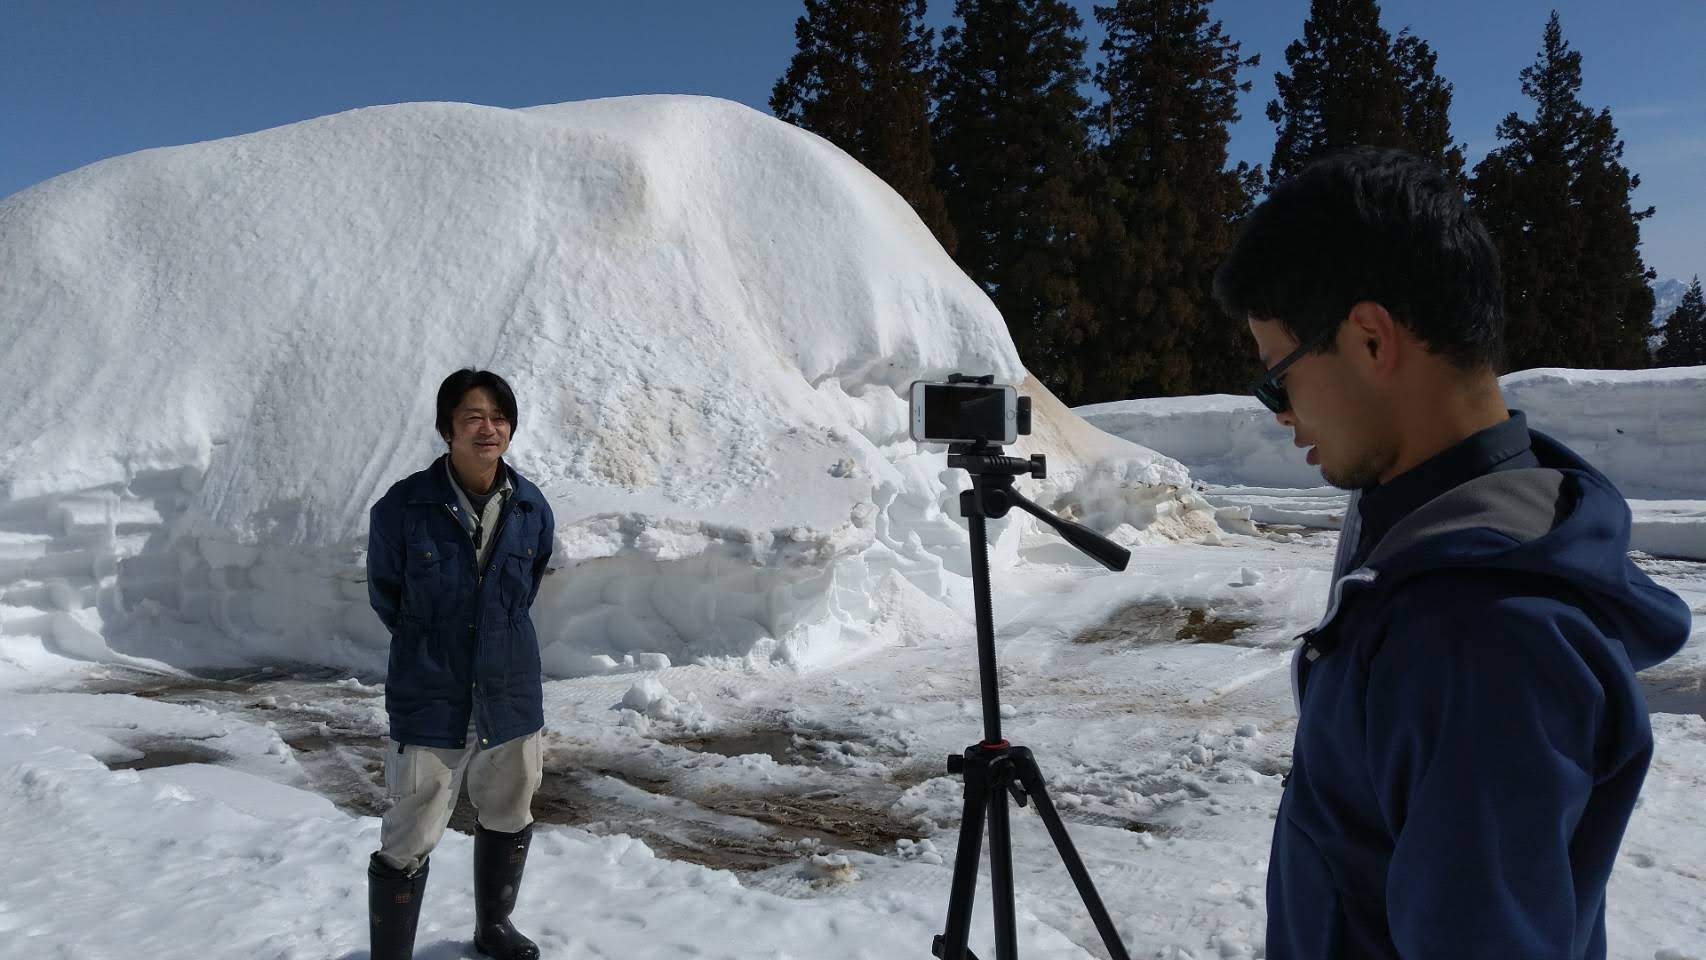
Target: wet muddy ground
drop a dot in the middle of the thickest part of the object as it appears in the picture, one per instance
(1162, 621)
(339, 741)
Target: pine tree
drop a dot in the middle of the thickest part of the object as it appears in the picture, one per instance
(1685, 331)
(1010, 149)
(1167, 204)
(1556, 199)
(860, 78)
(1427, 103)
(1351, 83)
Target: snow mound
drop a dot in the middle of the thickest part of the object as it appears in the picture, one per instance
(230, 350)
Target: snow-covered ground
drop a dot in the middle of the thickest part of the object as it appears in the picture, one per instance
(757, 632)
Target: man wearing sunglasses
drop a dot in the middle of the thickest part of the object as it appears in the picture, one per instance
(1471, 739)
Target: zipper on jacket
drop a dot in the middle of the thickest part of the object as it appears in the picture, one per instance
(479, 587)
(503, 521)
(1309, 651)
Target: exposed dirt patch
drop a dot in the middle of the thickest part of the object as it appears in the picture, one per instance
(1160, 621)
(782, 746)
(167, 753)
(915, 771)
(1200, 628)
(1139, 826)
(830, 817)
(324, 718)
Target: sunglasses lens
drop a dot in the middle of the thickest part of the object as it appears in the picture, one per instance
(1272, 396)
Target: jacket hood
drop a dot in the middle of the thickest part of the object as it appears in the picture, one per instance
(1562, 520)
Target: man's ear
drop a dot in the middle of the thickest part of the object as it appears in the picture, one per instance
(1374, 334)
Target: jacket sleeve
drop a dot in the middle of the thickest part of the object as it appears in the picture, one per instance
(547, 542)
(384, 565)
(1481, 720)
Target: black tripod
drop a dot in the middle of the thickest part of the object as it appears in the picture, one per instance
(995, 768)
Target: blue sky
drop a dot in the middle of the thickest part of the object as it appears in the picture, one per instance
(81, 81)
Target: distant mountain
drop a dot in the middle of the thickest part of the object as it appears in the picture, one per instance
(1667, 294)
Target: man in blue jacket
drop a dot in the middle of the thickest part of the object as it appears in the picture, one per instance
(1471, 738)
(455, 556)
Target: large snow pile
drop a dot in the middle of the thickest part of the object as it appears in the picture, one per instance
(219, 355)
(1646, 429)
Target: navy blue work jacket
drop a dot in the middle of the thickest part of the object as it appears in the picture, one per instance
(461, 638)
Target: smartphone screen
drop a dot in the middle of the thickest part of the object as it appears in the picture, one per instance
(962, 412)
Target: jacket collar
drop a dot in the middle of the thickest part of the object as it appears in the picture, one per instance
(433, 485)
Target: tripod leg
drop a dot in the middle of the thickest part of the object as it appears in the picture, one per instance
(1001, 869)
(1032, 779)
(951, 945)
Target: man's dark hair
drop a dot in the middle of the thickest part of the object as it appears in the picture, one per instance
(1370, 224)
(457, 385)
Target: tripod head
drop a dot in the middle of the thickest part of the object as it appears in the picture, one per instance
(992, 495)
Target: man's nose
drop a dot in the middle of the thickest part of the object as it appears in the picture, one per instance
(1286, 419)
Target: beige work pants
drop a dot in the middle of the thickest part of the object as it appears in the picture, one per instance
(424, 782)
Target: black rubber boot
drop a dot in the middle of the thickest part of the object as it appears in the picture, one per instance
(498, 861)
(393, 906)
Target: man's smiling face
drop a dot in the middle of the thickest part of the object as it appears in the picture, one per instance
(479, 430)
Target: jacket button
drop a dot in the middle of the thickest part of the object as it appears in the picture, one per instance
(427, 555)
(483, 740)
(530, 551)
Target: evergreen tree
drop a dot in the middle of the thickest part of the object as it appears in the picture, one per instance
(1010, 149)
(1167, 205)
(860, 78)
(1685, 331)
(1351, 83)
(1427, 103)
(1555, 198)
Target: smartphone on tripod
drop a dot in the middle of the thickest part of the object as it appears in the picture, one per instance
(964, 412)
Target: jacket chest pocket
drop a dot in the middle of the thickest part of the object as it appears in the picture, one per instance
(430, 575)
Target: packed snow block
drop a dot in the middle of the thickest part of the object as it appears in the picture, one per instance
(717, 605)
(104, 514)
(67, 563)
(17, 549)
(1644, 429)
(1669, 528)
(1223, 439)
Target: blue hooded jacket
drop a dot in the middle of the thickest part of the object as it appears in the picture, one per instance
(1471, 738)
(461, 639)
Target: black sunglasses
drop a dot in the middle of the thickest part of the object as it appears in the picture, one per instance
(1270, 391)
